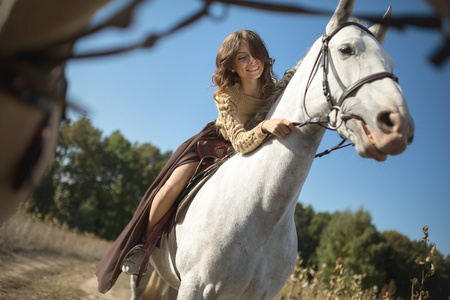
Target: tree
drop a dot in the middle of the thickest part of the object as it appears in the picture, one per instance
(400, 265)
(302, 218)
(318, 224)
(309, 227)
(352, 237)
(95, 184)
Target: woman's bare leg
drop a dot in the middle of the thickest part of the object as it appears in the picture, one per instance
(168, 193)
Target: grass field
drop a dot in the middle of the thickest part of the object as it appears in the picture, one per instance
(41, 261)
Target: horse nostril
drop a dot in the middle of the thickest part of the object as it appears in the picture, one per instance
(385, 120)
(389, 122)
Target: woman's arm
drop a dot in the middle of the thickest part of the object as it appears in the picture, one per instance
(242, 140)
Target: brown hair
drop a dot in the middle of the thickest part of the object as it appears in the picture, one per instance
(224, 77)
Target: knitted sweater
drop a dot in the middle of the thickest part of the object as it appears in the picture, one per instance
(235, 110)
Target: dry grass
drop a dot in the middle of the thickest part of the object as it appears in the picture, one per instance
(21, 233)
(307, 283)
(42, 261)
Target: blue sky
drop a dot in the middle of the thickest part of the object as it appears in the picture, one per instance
(163, 96)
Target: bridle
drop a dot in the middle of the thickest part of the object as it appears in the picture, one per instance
(324, 60)
(327, 61)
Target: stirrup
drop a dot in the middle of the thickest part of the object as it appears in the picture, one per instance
(132, 262)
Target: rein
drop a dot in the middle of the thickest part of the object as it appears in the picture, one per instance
(324, 60)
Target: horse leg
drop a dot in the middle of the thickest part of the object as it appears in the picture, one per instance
(137, 293)
(157, 288)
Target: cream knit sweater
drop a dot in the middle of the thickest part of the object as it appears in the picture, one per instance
(235, 110)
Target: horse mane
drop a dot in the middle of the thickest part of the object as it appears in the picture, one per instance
(277, 91)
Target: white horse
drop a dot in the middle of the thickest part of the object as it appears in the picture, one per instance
(238, 238)
(32, 88)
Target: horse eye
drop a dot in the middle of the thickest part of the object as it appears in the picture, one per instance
(346, 50)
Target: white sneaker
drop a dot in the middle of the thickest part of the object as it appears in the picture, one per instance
(133, 260)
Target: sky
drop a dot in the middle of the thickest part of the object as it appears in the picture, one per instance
(163, 96)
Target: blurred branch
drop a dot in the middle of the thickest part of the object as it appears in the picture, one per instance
(122, 19)
(397, 22)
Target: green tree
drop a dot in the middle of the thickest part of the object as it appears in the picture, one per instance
(400, 265)
(316, 227)
(309, 227)
(303, 217)
(94, 183)
(352, 237)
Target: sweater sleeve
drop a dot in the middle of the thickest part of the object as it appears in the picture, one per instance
(233, 129)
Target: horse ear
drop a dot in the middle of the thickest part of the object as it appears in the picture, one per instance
(341, 14)
(379, 30)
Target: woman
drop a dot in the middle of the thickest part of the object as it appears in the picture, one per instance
(244, 77)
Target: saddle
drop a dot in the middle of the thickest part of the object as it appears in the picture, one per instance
(213, 152)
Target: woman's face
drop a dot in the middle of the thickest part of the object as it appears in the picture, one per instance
(247, 67)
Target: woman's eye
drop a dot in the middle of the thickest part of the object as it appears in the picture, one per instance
(241, 58)
(346, 50)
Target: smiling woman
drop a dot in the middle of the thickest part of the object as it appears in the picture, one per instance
(248, 68)
(243, 78)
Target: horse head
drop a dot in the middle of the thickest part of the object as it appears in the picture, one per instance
(367, 104)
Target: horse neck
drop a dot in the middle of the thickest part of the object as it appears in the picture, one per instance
(285, 163)
(298, 106)
(292, 105)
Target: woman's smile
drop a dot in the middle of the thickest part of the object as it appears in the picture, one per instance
(254, 69)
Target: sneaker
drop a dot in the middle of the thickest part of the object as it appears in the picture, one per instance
(133, 260)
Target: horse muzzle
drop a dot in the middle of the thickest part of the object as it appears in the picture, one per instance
(389, 134)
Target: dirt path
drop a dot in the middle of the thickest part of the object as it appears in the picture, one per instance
(31, 275)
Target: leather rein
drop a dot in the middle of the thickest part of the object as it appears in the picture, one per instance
(324, 60)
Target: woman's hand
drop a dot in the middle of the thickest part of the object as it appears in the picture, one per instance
(278, 127)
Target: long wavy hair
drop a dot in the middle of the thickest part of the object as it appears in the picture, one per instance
(224, 77)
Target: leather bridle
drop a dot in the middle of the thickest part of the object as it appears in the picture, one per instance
(327, 62)
(324, 60)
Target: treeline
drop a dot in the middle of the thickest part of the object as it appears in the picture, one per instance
(386, 259)
(95, 183)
